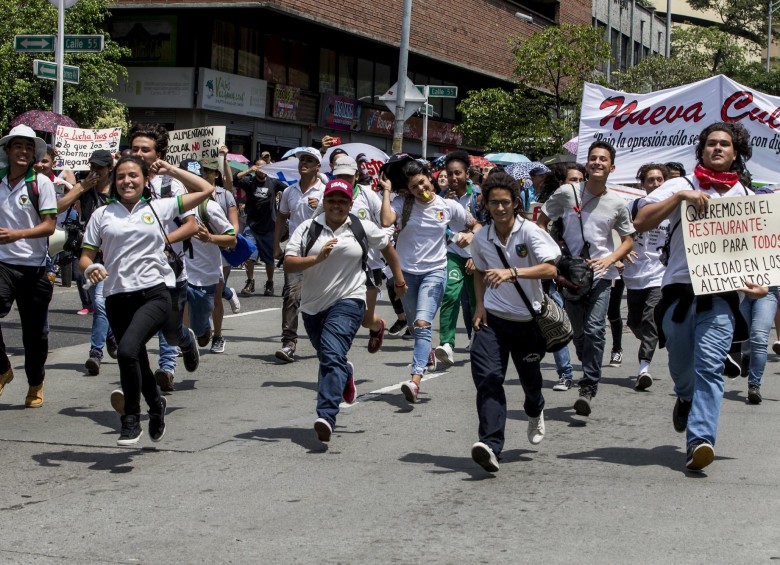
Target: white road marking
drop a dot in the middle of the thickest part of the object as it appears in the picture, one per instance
(385, 390)
(250, 313)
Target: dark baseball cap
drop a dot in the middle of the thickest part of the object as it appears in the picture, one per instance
(102, 158)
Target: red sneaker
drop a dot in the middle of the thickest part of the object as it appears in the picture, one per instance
(375, 339)
(350, 391)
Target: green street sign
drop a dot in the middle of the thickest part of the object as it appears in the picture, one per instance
(442, 91)
(34, 43)
(84, 43)
(48, 70)
(427, 110)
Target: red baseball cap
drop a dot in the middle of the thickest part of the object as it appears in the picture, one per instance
(338, 186)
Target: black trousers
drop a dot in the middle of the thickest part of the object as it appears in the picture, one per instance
(490, 351)
(136, 317)
(32, 291)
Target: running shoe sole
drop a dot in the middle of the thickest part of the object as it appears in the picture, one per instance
(118, 402)
(484, 457)
(582, 407)
(408, 392)
(323, 430)
(702, 456)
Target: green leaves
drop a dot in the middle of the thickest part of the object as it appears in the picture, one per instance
(543, 111)
(86, 103)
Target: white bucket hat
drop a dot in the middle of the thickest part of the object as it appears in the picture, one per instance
(22, 131)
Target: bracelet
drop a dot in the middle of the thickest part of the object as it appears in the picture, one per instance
(514, 270)
(403, 284)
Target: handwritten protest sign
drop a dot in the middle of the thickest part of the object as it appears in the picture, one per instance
(195, 143)
(733, 241)
(74, 146)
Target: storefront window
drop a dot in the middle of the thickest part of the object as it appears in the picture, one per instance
(365, 80)
(346, 76)
(274, 59)
(299, 66)
(223, 47)
(249, 53)
(381, 79)
(327, 71)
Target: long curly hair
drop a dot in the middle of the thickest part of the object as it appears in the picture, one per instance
(740, 138)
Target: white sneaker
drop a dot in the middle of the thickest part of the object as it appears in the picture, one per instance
(536, 429)
(484, 457)
(235, 303)
(323, 429)
(444, 355)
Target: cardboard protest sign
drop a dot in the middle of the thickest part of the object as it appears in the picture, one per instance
(195, 143)
(733, 241)
(74, 146)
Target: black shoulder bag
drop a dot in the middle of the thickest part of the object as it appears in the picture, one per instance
(575, 276)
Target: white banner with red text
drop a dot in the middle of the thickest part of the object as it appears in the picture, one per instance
(664, 126)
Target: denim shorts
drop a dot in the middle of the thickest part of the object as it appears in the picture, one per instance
(264, 243)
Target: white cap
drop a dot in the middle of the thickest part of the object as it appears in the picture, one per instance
(309, 151)
(345, 165)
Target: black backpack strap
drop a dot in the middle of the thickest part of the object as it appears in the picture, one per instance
(634, 209)
(315, 229)
(586, 243)
(514, 280)
(360, 234)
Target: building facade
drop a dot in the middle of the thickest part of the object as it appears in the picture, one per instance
(284, 73)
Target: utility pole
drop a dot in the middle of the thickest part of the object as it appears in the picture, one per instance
(59, 56)
(403, 60)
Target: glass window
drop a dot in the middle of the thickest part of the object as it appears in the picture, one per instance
(223, 47)
(249, 53)
(299, 65)
(448, 105)
(346, 76)
(327, 71)
(365, 80)
(274, 59)
(381, 79)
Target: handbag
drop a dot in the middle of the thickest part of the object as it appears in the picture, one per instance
(175, 262)
(552, 319)
(240, 253)
(575, 274)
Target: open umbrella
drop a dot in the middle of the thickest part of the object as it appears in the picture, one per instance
(236, 157)
(562, 158)
(43, 120)
(238, 167)
(481, 162)
(572, 145)
(506, 158)
(292, 152)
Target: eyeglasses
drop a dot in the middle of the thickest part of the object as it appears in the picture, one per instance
(497, 203)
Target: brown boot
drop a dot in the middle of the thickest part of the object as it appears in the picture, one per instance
(6, 378)
(34, 397)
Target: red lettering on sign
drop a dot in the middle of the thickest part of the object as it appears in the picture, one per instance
(624, 114)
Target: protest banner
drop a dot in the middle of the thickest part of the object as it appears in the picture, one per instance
(664, 126)
(287, 170)
(74, 146)
(733, 241)
(195, 143)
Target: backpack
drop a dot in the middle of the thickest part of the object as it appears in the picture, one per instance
(315, 229)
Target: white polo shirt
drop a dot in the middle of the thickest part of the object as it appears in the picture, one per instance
(527, 245)
(422, 244)
(205, 266)
(177, 189)
(367, 206)
(132, 243)
(341, 275)
(296, 203)
(466, 202)
(18, 213)
(677, 269)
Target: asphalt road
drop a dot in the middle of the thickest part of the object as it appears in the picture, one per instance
(241, 478)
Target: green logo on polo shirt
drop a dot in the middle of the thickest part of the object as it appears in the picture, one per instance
(521, 250)
(362, 214)
(24, 200)
(147, 218)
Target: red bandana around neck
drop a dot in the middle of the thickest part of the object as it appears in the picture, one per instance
(714, 179)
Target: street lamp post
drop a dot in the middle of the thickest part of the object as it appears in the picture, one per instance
(772, 7)
(403, 59)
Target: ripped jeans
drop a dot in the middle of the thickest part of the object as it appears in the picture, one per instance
(421, 302)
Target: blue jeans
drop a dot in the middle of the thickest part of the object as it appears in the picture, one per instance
(562, 356)
(421, 302)
(589, 322)
(331, 333)
(201, 302)
(174, 333)
(697, 351)
(759, 315)
(100, 327)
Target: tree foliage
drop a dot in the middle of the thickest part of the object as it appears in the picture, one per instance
(542, 113)
(741, 18)
(86, 103)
